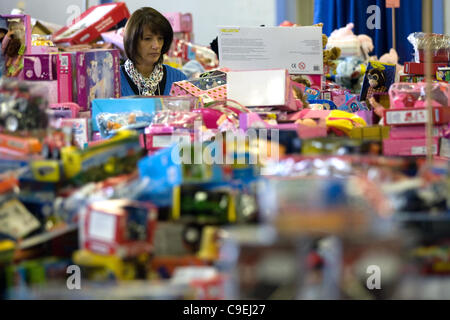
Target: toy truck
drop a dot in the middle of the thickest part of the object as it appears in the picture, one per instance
(117, 239)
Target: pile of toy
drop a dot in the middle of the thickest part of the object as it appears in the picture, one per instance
(215, 184)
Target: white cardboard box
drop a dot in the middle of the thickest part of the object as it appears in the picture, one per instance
(258, 87)
(297, 49)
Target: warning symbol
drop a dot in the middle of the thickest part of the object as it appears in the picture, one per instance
(302, 66)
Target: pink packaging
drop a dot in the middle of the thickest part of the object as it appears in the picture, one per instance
(195, 88)
(39, 67)
(52, 89)
(66, 75)
(408, 147)
(180, 22)
(115, 37)
(414, 132)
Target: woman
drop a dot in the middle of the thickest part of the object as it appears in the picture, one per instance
(147, 37)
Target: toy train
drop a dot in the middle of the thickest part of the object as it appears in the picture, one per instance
(111, 157)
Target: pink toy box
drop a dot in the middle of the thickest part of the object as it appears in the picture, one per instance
(412, 95)
(180, 22)
(208, 89)
(40, 67)
(408, 147)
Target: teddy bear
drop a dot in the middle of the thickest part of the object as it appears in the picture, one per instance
(343, 37)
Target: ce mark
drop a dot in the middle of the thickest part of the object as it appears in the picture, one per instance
(294, 66)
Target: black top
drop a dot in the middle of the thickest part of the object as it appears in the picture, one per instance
(161, 85)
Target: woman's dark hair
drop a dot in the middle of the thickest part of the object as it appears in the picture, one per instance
(134, 31)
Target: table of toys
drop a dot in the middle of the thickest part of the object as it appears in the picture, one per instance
(209, 193)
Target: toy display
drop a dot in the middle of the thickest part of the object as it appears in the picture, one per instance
(282, 178)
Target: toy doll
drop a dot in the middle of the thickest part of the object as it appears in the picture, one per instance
(13, 50)
(377, 82)
(3, 33)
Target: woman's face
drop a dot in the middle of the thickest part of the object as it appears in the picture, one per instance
(149, 47)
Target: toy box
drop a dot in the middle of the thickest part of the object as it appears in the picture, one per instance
(21, 27)
(405, 95)
(119, 227)
(404, 117)
(66, 75)
(261, 88)
(412, 78)
(419, 68)
(443, 74)
(115, 37)
(92, 23)
(415, 132)
(378, 79)
(445, 148)
(39, 66)
(208, 89)
(180, 22)
(408, 147)
(98, 76)
(79, 130)
(370, 133)
(299, 49)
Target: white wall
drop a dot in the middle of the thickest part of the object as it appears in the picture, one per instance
(208, 14)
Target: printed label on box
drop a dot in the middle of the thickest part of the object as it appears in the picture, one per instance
(422, 150)
(299, 49)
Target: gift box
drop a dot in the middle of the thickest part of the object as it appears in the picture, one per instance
(180, 22)
(66, 75)
(98, 76)
(208, 89)
(402, 117)
(415, 132)
(408, 147)
(443, 74)
(115, 37)
(419, 68)
(80, 130)
(261, 88)
(92, 23)
(40, 67)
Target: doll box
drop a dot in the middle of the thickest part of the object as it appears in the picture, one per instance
(419, 68)
(98, 76)
(408, 147)
(39, 67)
(195, 89)
(261, 88)
(180, 22)
(404, 117)
(415, 132)
(92, 23)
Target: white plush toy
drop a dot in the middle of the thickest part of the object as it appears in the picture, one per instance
(351, 44)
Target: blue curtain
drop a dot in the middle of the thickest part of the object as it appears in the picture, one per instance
(337, 13)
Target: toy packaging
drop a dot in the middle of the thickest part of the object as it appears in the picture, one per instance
(443, 74)
(262, 88)
(15, 33)
(408, 147)
(98, 76)
(378, 78)
(297, 49)
(404, 95)
(438, 43)
(414, 68)
(208, 89)
(92, 23)
(180, 22)
(66, 75)
(80, 130)
(40, 66)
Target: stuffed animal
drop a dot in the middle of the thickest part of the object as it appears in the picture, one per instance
(350, 73)
(344, 38)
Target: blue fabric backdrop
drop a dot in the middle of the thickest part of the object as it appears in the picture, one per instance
(337, 13)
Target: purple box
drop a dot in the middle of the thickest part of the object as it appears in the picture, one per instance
(40, 67)
(98, 76)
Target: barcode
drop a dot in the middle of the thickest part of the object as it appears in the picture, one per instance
(316, 68)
